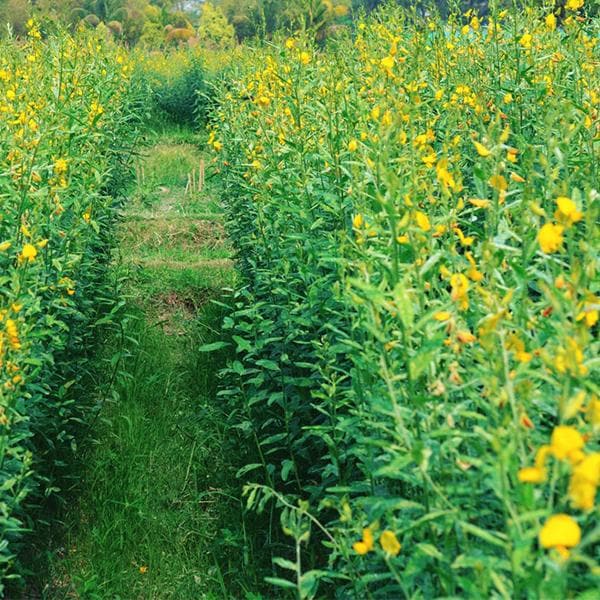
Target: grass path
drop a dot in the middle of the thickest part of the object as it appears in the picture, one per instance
(156, 516)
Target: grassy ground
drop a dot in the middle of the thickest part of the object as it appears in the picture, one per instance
(156, 513)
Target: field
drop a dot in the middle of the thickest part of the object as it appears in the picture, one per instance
(311, 318)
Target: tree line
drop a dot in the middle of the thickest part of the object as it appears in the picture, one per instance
(220, 23)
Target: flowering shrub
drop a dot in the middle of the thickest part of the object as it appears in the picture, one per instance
(66, 134)
(415, 213)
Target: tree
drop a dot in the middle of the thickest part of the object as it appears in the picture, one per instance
(105, 10)
(153, 34)
(215, 30)
(56, 11)
(15, 13)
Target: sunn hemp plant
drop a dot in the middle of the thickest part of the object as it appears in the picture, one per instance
(415, 211)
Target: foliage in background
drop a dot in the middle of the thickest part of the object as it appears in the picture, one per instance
(415, 215)
(161, 23)
(179, 82)
(215, 32)
(64, 159)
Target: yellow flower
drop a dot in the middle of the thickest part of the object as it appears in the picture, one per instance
(96, 110)
(566, 442)
(481, 149)
(511, 156)
(550, 237)
(60, 167)
(304, 58)
(430, 159)
(551, 21)
(422, 220)
(13, 334)
(460, 288)
(358, 221)
(442, 315)
(479, 202)
(593, 412)
(589, 468)
(368, 538)
(444, 176)
(574, 4)
(574, 405)
(4, 246)
(143, 569)
(584, 482)
(498, 182)
(360, 548)
(516, 344)
(465, 240)
(589, 314)
(532, 475)
(353, 145)
(366, 544)
(465, 337)
(560, 532)
(389, 543)
(29, 252)
(567, 211)
(570, 359)
(526, 40)
(387, 64)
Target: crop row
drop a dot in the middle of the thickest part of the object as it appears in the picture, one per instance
(415, 212)
(67, 129)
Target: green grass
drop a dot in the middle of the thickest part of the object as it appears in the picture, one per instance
(162, 175)
(156, 475)
(168, 132)
(156, 512)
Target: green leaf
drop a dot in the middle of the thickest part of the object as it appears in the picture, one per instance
(483, 534)
(213, 347)
(268, 364)
(242, 344)
(282, 583)
(431, 550)
(285, 564)
(247, 468)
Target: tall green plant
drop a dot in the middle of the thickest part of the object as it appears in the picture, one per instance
(68, 135)
(414, 212)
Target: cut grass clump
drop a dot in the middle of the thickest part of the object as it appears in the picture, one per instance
(188, 235)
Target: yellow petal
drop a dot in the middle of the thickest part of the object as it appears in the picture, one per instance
(390, 543)
(481, 149)
(560, 530)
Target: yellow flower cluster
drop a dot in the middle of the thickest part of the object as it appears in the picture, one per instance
(387, 540)
(567, 445)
